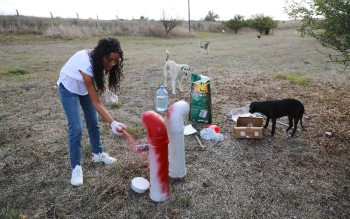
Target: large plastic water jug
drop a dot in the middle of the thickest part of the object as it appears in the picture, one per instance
(161, 99)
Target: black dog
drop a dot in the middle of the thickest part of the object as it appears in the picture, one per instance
(274, 109)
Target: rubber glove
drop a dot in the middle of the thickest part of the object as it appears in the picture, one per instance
(117, 128)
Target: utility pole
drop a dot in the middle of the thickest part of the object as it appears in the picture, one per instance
(189, 19)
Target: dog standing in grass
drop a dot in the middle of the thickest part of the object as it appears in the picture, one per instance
(274, 109)
(204, 48)
(177, 73)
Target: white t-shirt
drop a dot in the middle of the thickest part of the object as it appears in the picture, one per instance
(70, 76)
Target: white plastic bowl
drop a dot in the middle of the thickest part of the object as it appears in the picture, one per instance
(140, 184)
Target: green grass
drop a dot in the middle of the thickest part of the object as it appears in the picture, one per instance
(13, 71)
(17, 74)
(135, 132)
(116, 105)
(8, 213)
(27, 56)
(182, 200)
(19, 37)
(208, 34)
(301, 80)
(218, 118)
(87, 149)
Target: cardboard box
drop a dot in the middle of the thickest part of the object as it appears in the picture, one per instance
(249, 127)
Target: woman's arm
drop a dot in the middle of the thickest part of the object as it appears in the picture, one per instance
(95, 99)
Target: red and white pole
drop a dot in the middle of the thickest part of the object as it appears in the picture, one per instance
(158, 155)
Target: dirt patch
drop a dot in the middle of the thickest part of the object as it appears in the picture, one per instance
(303, 177)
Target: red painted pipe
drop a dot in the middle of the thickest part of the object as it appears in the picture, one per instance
(158, 155)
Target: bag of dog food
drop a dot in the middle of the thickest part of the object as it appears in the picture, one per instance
(200, 101)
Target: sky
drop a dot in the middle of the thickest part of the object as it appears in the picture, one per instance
(152, 9)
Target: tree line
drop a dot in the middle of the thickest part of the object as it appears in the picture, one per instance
(259, 22)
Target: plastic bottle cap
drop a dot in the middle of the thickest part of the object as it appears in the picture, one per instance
(140, 184)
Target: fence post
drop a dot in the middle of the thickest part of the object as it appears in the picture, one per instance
(189, 19)
(18, 21)
(98, 26)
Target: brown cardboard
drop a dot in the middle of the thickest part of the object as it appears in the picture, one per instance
(249, 127)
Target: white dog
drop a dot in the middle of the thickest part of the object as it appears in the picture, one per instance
(176, 71)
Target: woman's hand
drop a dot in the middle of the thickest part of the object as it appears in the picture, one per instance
(118, 128)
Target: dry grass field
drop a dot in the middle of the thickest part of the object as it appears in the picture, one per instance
(307, 176)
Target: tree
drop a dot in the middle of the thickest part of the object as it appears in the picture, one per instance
(235, 24)
(144, 18)
(169, 24)
(211, 16)
(328, 21)
(262, 23)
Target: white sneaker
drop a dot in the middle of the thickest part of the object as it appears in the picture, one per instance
(77, 176)
(103, 157)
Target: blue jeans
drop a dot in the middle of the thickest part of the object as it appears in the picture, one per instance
(71, 104)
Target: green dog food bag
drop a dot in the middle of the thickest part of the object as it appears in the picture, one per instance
(200, 102)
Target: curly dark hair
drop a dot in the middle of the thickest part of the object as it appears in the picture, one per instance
(104, 48)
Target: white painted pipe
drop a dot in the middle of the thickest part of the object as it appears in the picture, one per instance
(158, 155)
(176, 148)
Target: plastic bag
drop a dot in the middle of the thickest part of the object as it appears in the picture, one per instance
(211, 134)
(234, 113)
(110, 97)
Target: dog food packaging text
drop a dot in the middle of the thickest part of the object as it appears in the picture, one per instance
(200, 102)
(249, 127)
(161, 99)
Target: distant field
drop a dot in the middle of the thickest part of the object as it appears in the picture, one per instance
(304, 177)
(64, 28)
